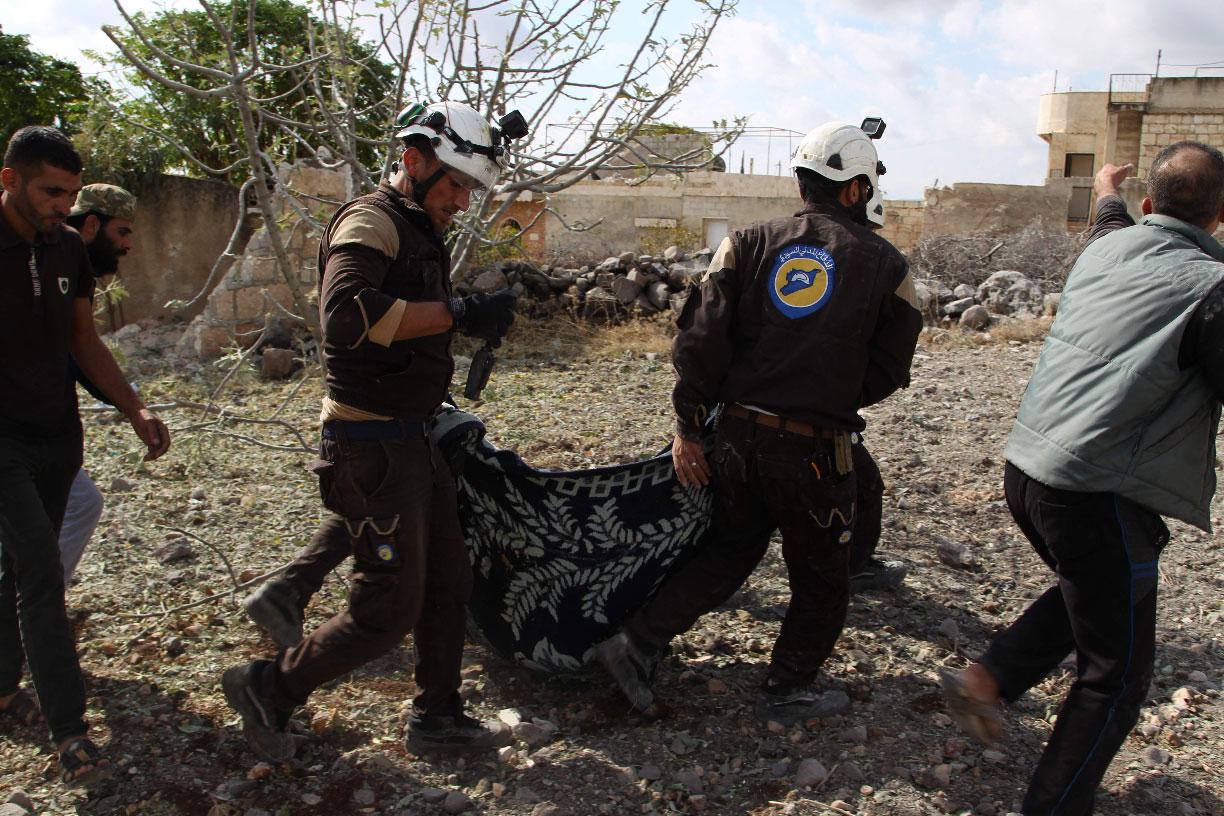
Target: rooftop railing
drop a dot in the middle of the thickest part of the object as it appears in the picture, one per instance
(1128, 89)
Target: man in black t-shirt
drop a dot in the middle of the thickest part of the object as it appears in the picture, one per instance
(45, 316)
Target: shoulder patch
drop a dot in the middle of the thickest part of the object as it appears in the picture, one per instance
(802, 280)
(724, 258)
(369, 226)
(906, 290)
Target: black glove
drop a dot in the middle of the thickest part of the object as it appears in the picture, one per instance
(485, 316)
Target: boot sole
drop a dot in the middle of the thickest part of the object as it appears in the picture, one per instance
(236, 689)
(271, 619)
(421, 744)
(825, 706)
(615, 659)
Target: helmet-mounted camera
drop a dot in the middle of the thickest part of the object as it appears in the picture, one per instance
(873, 126)
(510, 127)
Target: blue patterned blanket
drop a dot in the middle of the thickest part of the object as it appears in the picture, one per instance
(560, 558)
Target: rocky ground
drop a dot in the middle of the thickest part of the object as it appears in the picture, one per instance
(158, 623)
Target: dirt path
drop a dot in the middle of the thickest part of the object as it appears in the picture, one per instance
(586, 398)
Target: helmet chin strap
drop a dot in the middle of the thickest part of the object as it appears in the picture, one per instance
(420, 189)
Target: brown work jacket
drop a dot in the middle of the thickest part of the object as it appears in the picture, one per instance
(810, 317)
(357, 286)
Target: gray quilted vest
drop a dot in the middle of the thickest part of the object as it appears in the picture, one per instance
(1107, 409)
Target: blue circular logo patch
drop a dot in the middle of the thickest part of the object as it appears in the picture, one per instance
(385, 552)
(802, 280)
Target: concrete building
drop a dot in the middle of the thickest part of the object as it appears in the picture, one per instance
(1130, 122)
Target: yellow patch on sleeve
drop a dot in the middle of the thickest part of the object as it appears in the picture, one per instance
(724, 258)
(369, 226)
(383, 332)
(906, 290)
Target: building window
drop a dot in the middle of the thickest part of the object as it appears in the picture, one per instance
(713, 231)
(1078, 165)
(1080, 205)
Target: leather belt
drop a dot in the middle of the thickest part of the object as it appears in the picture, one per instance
(779, 422)
(375, 430)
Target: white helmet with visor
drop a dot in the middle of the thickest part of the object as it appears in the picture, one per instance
(463, 140)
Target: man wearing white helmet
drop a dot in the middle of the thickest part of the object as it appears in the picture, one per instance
(388, 316)
(798, 324)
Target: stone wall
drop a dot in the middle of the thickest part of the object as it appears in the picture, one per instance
(636, 217)
(1073, 123)
(182, 225)
(1201, 94)
(631, 216)
(522, 211)
(238, 306)
(903, 223)
(684, 148)
(964, 209)
(1163, 129)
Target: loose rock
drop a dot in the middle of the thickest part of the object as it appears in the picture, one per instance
(810, 772)
(975, 317)
(276, 363)
(1154, 756)
(456, 802)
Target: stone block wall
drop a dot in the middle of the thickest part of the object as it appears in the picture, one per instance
(965, 209)
(903, 223)
(630, 215)
(237, 308)
(1163, 129)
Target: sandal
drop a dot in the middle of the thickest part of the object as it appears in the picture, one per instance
(977, 719)
(23, 707)
(82, 763)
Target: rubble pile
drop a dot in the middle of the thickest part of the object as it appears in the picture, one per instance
(1006, 292)
(620, 286)
(1045, 257)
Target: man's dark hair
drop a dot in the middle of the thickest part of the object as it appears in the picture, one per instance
(1187, 187)
(422, 143)
(35, 144)
(77, 221)
(815, 188)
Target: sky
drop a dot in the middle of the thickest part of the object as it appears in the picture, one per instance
(957, 81)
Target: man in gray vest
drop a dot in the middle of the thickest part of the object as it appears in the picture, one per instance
(1116, 429)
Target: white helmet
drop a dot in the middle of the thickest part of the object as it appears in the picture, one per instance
(839, 152)
(875, 206)
(463, 139)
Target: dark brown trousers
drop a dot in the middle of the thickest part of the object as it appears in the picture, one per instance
(393, 507)
(764, 480)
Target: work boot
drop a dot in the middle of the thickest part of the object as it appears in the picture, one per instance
(276, 608)
(878, 575)
(631, 668)
(265, 727)
(789, 705)
(454, 733)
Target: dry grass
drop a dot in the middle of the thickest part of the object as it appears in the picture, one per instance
(1004, 330)
(1025, 331)
(563, 336)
